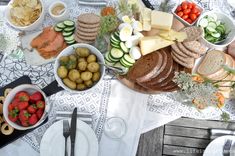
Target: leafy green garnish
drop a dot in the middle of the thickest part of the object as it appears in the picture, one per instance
(108, 24)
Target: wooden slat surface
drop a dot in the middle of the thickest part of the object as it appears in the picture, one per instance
(182, 137)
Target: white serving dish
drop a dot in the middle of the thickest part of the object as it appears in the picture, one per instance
(30, 89)
(182, 20)
(70, 50)
(229, 25)
(63, 16)
(30, 27)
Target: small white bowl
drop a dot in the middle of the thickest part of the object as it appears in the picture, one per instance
(70, 50)
(181, 19)
(30, 89)
(30, 27)
(61, 17)
(229, 25)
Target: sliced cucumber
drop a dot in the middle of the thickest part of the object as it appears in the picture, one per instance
(123, 47)
(203, 23)
(118, 64)
(60, 25)
(66, 34)
(71, 42)
(58, 29)
(210, 29)
(69, 38)
(218, 23)
(116, 53)
(109, 63)
(214, 16)
(125, 63)
(212, 25)
(210, 38)
(112, 59)
(216, 35)
(69, 29)
(128, 59)
(116, 35)
(115, 39)
(220, 29)
(69, 23)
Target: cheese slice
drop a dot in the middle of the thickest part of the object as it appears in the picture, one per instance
(153, 43)
(161, 20)
(173, 35)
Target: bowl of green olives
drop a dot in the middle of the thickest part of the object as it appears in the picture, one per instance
(79, 67)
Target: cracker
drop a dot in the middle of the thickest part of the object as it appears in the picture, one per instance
(89, 18)
(87, 38)
(90, 26)
(87, 30)
(81, 40)
(87, 34)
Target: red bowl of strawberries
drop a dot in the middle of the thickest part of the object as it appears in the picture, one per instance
(25, 107)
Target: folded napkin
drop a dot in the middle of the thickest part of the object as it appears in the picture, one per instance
(84, 116)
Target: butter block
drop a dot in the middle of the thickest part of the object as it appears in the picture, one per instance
(153, 43)
(161, 20)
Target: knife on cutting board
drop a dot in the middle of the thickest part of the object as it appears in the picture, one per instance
(73, 130)
(148, 4)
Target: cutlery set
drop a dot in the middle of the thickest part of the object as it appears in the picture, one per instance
(70, 131)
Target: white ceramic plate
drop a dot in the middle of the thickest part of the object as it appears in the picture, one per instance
(53, 140)
(215, 148)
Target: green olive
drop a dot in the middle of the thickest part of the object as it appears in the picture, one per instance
(69, 83)
(62, 72)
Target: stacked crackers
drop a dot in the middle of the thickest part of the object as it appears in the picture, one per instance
(87, 28)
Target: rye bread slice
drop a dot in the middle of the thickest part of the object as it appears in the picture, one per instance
(193, 33)
(164, 74)
(90, 26)
(79, 40)
(86, 38)
(89, 18)
(176, 50)
(187, 52)
(186, 62)
(196, 47)
(87, 34)
(87, 30)
(145, 67)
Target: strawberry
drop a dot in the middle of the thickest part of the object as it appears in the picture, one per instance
(23, 105)
(39, 113)
(36, 97)
(25, 123)
(32, 108)
(22, 96)
(33, 119)
(13, 116)
(24, 115)
(40, 104)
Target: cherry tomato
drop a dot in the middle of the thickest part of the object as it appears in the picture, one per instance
(185, 17)
(179, 8)
(198, 13)
(180, 14)
(187, 11)
(195, 10)
(193, 17)
(189, 21)
(193, 5)
(190, 5)
(184, 5)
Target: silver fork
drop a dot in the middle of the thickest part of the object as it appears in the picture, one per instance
(66, 133)
(227, 147)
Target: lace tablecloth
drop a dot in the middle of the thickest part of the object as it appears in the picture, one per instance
(94, 102)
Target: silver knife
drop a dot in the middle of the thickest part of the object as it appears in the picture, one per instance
(73, 130)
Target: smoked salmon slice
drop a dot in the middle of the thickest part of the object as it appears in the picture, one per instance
(43, 39)
(55, 45)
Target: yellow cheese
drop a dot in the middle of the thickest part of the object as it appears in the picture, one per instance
(145, 18)
(146, 14)
(153, 43)
(173, 35)
(161, 20)
(146, 25)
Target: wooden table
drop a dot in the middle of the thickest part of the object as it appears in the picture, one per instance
(182, 137)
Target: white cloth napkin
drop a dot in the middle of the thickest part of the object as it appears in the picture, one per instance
(130, 106)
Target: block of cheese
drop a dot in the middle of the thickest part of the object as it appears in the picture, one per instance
(153, 43)
(173, 35)
(161, 20)
(146, 25)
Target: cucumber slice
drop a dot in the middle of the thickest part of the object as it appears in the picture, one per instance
(106, 57)
(203, 23)
(125, 63)
(212, 25)
(58, 29)
(210, 19)
(69, 29)
(109, 63)
(115, 45)
(214, 16)
(115, 39)
(116, 35)
(210, 38)
(60, 25)
(71, 42)
(69, 38)
(124, 48)
(66, 34)
(210, 29)
(218, 23)
(128, 59)
(118, 65)
(216, 35)
(69, 23)
(112, 59)
(220, 29)
(116, 53)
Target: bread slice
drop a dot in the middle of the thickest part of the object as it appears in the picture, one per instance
(187, 52)
(186, 62)
(212, 63)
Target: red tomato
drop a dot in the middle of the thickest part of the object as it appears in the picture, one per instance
(193, 17)
(184, 5)
(187, 11)
(195, 10)
(180, 14)
(185, 17)
(193, 5)
(189, 21)
(198, 13)
(179, 8)
(190, 5)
